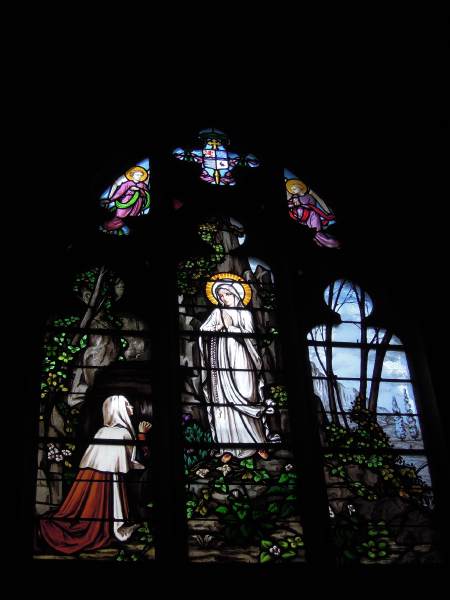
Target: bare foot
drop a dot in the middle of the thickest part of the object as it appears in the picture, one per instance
(263, 454)
(226, 457)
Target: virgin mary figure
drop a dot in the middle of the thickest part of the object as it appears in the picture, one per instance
(232, 381)
(95, 511)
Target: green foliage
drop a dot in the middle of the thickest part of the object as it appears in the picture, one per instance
(279, 394)
(358, 539)
(280, 550)
(376, 546)
(59, 353)
(85, 283)
(145, 539)
(244, 519)
(379, 474)
(123, 347)
(198, 505)
(66, 322)
(195, 434)
(393, 475)
(207, 231)
(193, 271)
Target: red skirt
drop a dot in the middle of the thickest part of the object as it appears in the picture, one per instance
(84, 521)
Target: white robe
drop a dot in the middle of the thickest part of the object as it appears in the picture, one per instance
(234, 396)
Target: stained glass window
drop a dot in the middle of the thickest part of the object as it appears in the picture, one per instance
(128, 196)
(184, 419)
(239, 467)
(217, 162)
(307, 208)
(376, 470)
(93, 489)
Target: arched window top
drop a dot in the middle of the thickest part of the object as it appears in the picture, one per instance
(348, 300)
(353, 305)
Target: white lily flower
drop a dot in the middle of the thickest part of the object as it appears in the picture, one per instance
(202, 473)
(225, 469)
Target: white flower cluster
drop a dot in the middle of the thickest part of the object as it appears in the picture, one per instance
(55, 454)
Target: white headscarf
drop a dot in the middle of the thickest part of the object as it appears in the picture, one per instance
(115, 458)
(115, 413)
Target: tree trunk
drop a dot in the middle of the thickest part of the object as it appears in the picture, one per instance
(93, 306)
(380, 353)
(329, 364)
(339, 401)
(364, 351)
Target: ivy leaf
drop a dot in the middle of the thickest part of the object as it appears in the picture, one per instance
(222, 510)
(276, 490)
(288, 554)
(248, 463)
(266, 544)
(265, 557)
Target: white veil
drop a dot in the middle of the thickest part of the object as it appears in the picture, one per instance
(115, 413)
(234, 288)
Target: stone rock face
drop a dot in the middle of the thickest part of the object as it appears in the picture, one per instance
(56, 428)
(104, 554)
(205, 544)
(388, 509)
(103, 350)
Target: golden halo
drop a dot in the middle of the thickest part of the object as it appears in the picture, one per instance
(230, 277)
(129, 173)
(291, 182)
